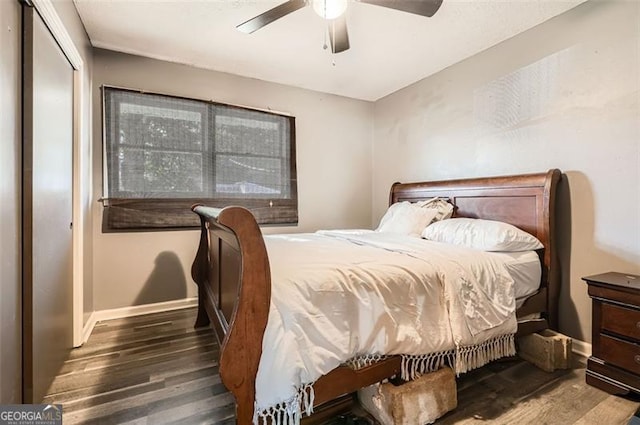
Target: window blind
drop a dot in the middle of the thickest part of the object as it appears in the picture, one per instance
(164, 154)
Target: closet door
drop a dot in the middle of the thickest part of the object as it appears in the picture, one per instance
(47, 207)
(10, 207)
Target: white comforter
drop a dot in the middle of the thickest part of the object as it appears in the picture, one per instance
(340, 295)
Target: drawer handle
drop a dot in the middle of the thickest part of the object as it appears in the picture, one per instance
(637, 358)
(638, 325)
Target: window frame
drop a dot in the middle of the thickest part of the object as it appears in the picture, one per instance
(134, 214)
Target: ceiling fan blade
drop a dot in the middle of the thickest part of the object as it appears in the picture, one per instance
(418, 7)
(338, 35)
(271, 15)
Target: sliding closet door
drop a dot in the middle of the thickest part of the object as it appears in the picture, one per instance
(47, 207)
(10, 205)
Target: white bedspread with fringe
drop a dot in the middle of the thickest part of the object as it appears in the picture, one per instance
(353, 297)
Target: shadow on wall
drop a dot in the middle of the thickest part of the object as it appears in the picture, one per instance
(579, 253)
(135, 357)
(166, 282)
(568, 313)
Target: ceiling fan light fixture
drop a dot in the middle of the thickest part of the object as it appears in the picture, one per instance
(329, 9)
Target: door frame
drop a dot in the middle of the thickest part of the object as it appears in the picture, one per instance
(81, 156)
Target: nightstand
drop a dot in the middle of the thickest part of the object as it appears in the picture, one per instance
(614, 365)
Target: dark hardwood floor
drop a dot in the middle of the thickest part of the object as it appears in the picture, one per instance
(156, 369)
(152, 369)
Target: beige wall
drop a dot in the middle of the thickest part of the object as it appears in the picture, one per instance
(10, 211)
(333, 144)
(564, 94)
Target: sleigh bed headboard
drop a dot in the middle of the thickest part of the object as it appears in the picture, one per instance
(526, 201)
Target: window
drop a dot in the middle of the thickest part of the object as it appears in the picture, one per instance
(164, 154)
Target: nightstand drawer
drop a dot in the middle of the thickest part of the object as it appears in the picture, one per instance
(620, 320)
(620, 353)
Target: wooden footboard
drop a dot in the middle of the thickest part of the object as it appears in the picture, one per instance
(232, 272)
(234, 291)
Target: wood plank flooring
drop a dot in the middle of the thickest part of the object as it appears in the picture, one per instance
(152, 369)
(156, 369)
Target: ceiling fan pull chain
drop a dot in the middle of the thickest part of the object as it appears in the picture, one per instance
(325, 46)
(333, 39)
(333, 56)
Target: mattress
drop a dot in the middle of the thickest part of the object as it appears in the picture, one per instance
(524, 268)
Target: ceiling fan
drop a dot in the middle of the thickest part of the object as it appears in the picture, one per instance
(333, 11)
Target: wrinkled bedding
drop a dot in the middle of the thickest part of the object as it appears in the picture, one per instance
(342, 295)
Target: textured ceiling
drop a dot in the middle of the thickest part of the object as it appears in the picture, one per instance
(389, 49)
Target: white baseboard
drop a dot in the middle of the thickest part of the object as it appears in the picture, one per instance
(580, 347)
(88, 327)
(137, 310)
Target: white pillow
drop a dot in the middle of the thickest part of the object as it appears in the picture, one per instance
(485, 235)
(406, 218)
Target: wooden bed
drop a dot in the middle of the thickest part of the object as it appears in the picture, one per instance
(231, 270)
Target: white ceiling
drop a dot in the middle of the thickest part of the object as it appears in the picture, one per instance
(389, 49)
